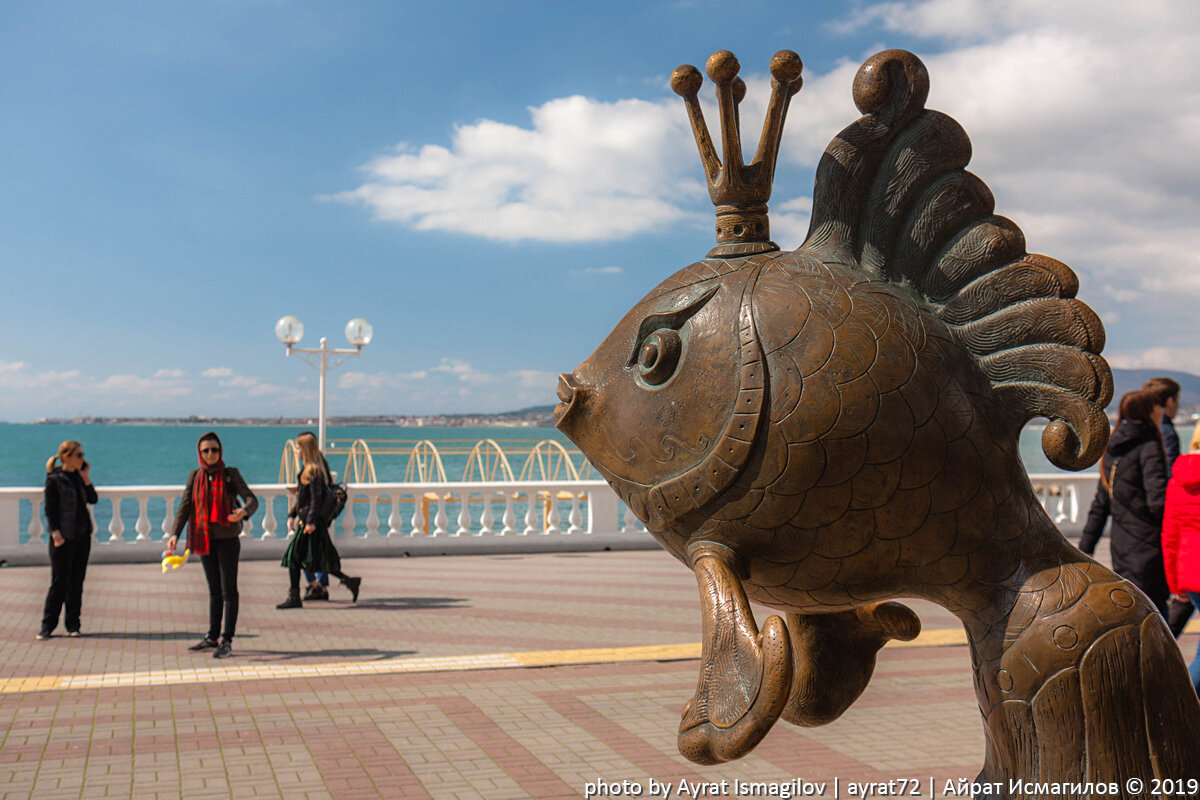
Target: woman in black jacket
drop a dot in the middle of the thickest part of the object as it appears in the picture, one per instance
(1133, 491)
(311, 547)
(68, 493)
(209, 508)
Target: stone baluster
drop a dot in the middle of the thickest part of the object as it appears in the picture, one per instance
(348, 520)
(439, 519)
(510, 518)
(35, 523)
(531, 516)
(142, 526)
(372, 515)
(552, 517)
(486, 519)
(269, 523)
(116, 525)
(418, 518)
(464, 516)
(394, 519)
(575, 518)
(168, 520)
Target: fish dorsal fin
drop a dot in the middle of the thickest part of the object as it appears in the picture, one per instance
(893, 199)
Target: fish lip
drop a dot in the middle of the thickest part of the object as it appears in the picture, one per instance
(568, 393)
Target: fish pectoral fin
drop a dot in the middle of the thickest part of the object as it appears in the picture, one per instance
(834, 657)
(745, 675)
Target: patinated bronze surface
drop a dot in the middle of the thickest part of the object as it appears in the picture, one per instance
(825, 429)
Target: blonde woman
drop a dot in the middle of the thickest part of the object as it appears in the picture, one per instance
(68, 493)
(311, 547)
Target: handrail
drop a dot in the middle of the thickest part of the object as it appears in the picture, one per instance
(141, 517)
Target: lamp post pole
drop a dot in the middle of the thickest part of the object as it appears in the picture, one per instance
(289, 330)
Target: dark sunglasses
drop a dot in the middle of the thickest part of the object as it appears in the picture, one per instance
(79, 454)
(210, 449)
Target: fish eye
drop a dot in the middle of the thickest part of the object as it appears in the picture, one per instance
(659, 355)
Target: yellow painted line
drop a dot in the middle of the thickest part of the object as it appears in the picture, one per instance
(944, 637)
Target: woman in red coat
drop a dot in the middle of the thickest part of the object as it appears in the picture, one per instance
(1181, 533)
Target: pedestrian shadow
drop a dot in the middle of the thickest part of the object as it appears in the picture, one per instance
(361, 653)
(173, 636)
(411, 603)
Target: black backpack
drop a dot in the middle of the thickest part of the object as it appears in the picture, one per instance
(335, 501)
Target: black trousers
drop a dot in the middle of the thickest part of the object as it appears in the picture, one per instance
(68, 567)
(294, 577)
(221, 568)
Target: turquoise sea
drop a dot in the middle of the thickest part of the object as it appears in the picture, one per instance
(140, 455)
(164, 454)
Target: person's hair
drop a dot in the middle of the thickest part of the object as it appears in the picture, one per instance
(210, 437)
(1137, 406)
(64, 449)
(1164, 388)
(310, 454)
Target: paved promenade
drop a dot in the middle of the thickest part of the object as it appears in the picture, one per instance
(464, 677)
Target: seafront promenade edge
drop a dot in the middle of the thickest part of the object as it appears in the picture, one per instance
(502, 676)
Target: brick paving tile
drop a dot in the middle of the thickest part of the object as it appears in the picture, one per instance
(494, 734)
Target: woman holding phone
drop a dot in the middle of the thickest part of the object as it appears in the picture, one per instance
(210, 509)
(68, 494)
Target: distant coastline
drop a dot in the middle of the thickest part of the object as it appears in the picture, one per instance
(536, 417)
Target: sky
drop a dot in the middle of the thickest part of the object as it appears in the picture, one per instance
(493, 185)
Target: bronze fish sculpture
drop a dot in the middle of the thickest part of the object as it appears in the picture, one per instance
(825, 429)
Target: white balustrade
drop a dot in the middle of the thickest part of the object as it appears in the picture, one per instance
(530, 507)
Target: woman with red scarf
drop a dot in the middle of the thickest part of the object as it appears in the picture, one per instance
(214, 525)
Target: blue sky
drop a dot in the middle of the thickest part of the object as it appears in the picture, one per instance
(493, 185)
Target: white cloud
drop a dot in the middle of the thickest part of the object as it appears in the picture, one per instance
(170, 373)
(1085, 121)
(584, 170)
(217, 372)
(535, 379)
(1183, 358)
(128, 385)
(602, 270)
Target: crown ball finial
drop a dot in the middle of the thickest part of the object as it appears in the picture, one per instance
(786, 66)
(739, 90)
(722, 67)
(686, 81)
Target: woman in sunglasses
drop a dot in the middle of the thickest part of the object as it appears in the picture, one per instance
(68, 493)
(214, 524)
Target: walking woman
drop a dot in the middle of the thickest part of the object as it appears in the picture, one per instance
(310, 547)
(214, 525)
(68, 493)
(1133, 490)
(1181, 533)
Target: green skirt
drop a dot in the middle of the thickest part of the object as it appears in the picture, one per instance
(312, 551)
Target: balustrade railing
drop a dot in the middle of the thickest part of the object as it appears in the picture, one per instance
(141, 517)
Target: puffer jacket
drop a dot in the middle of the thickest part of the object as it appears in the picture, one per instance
(1181, 525)
(1137, 468)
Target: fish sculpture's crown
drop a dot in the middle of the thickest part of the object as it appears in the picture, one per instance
(739, 191)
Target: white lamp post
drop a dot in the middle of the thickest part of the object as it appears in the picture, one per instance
(289, 330)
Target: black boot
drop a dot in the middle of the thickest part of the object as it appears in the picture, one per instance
(352, 584)
(293, 600)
